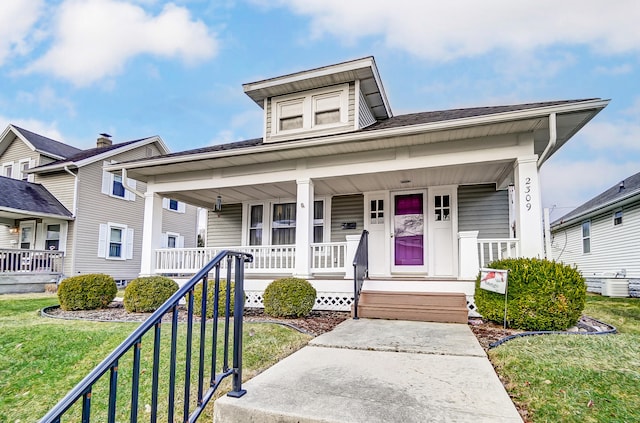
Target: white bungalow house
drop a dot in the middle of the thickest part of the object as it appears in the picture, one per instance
(601, 237)
(440, 193)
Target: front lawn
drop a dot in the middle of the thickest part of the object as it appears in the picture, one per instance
(573, 378)
(41, 359)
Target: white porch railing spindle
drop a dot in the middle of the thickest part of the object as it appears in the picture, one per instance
(497, 249)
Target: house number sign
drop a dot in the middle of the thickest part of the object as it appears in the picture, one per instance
(527, 193)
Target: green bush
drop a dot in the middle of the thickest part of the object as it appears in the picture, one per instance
(147, 293)
(289, 297)
(197, 298)
(87, 292)
(542, 295)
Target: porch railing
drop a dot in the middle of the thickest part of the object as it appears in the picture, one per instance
(328, 257)
(205, 358)
(360, 269)
(497, 249)
(31, 261)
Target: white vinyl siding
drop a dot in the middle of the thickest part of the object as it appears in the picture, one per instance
(61, 185)
(224, 228)
(365, 116)
(482, 208)
(184, 224)
(613, 248)
(346, 209)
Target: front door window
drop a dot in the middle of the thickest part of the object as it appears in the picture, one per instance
(409, 230)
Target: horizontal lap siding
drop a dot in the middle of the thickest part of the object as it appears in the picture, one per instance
(352, 103)
(224, 229)
(17, 151)
(346, 208)
(613, 248)
(482, 208)
(184, 224)
(61, 185)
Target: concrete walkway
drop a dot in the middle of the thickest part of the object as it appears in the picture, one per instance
(377, 371)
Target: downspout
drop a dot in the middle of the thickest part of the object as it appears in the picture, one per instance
(74, 212)
(553, 137)
(126, 184)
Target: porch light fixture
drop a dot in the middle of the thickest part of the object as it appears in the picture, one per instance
(14, 230)
(218, 205)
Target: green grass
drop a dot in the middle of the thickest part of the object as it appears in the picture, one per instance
(560, 378)
(42, 359)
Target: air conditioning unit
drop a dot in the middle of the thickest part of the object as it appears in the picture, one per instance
(615, 288)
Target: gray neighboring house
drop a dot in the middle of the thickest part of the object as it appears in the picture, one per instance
(57, 199)
(602, 238)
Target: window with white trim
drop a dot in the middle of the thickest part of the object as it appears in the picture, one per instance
(283, 224)
(114, 186)
(586, 237)
(318, 221)
(313, 110)
(7, 170)
(172, 240)
(174, 205)
(115, 241)
(52, 236)
(617, 218)
(255, 224)
(23, 167)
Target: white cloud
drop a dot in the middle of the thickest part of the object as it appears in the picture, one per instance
(47, 98)
(442, 31)
(623, 69)
(94, 39)
(17, 18)
(612, 136)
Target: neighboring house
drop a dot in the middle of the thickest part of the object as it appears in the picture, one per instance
(57, 198)
(602, 236)
(440, 193)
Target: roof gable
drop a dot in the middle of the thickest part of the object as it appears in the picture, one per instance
(44, 145)
(19, 195)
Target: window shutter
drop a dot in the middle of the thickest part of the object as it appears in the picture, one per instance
(32, 164)
(102, 241)
(165, 240)
(180, 242)
(107, 182)
(181, 207)
(165, 203)
(128, 194)
(129, 244)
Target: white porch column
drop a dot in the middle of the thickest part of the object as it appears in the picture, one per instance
(352, 246)
(528, 207)
(304, 227)
(469, 262)
(151, 233)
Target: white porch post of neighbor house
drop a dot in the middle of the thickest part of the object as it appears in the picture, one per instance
(304, 227)
(151, 233)
(528, 207)
(468, 262)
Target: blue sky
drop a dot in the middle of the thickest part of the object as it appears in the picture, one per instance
(71, 69)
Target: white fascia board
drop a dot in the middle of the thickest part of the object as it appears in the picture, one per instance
(368, 135)
(632, 197)
(35, 214)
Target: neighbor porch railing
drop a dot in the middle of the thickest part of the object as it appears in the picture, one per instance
(328, 257)
(497, 249)
(145, 371)
(31, 261)
(360, 269)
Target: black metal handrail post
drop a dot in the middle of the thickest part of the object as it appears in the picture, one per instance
(133, 343)
(360, 269)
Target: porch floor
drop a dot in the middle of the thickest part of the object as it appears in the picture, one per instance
(377, 371)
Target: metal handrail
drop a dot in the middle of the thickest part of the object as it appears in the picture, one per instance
(133, 342)
(360, 269)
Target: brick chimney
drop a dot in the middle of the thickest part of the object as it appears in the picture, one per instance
(104, 140)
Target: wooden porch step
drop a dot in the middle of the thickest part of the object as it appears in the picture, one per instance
(444, 307)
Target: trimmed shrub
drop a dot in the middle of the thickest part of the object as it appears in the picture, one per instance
(289, 297)
(197, 298)
(542, 295)
(146, 294)
(87, 292)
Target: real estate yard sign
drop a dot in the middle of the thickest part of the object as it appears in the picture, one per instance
(494, 280)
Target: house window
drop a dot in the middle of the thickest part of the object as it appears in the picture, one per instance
(255, 225)
(7, 170)
(617, 218)
(173, 204)
(586, 237)
(442, 207)
(52, 241)
(115, 242)
(118, 188)
(377, 211)
(318, 221)
(24, 167)
(283, 226)
(317, 109)
(172, 241)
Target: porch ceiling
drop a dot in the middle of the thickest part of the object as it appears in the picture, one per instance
(476, 173)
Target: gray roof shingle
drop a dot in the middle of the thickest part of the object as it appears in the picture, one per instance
(631, 185)
(29, 197)
(47, 145)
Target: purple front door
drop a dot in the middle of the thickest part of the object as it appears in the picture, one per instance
(409, 230)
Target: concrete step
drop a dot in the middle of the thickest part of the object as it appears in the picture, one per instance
(415, 306)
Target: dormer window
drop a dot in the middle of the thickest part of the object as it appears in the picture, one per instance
(310, 111)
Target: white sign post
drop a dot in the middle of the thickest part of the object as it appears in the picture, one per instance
(495, 280)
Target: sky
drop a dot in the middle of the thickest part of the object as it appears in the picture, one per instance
(71, 69)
